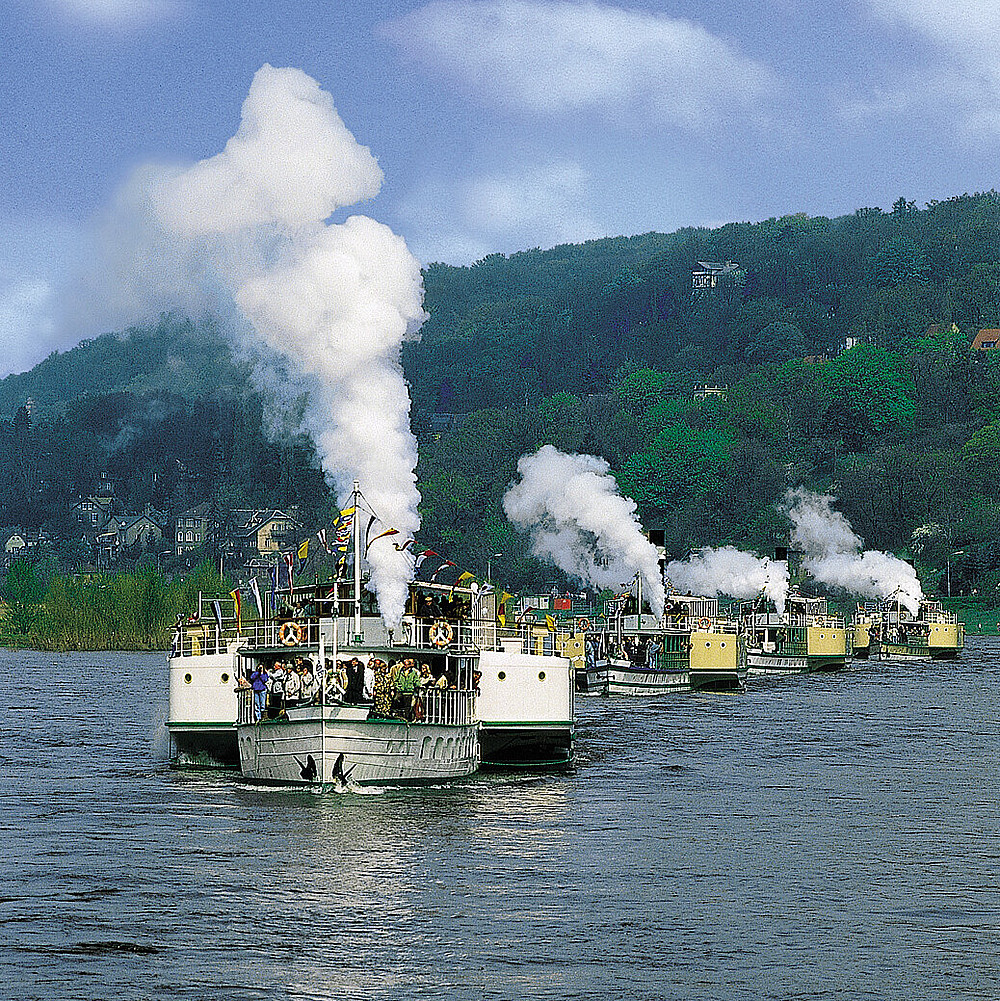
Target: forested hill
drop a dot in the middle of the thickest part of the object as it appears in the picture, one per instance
(843, 346)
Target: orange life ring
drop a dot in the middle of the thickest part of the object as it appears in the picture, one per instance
(290, 634)
(441, 633)
(582, 624)
(704, 623)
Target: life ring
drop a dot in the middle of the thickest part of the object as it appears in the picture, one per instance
(290, 634)
(704, 623)
(441, 633)
(582, 624)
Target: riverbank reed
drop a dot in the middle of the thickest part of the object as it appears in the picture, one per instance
(129, 611)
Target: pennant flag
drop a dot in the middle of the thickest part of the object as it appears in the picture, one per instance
(217, 612)
(321, 535)
(368, 530)
(406, 545)
(551, 623)
(423, 556)
(447, 563)
(505, 595)
(256, 595)
(502, 616)
(289, 561)
(304, 550)
(391, 531)
(235, 595)
(274, 587)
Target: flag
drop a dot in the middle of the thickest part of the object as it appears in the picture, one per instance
(235, 595)
(502, 616)
(447, 563)
(217, 612)
(321, 535)
(390, 531)
(289, 561)
(465, 576)
(274, 587)
(423, 556)
(304, 550)
(406, 545)
(256, 595)
(551, 623)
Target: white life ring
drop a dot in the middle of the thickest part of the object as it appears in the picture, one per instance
(290, 634)
(441, 633)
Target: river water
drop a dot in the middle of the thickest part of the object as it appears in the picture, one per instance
(825, 836)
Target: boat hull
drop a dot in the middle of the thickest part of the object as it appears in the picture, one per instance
(759, 662)
(355, 751)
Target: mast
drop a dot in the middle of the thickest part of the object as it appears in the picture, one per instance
(357, 562)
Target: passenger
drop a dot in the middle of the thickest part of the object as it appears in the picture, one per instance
(355, 682)
(259, 684)
(369, 685)
(276, 688)
(406, 687)
(652, 654)
(310, 689)
(381, 692)
(293, 687)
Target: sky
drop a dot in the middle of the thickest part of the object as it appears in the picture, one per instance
(499, 126)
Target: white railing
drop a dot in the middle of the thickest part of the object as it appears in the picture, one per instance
(244, 705)
(448, 708)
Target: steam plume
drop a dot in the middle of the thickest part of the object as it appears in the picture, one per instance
(833, 552)
(730, 572)
(577, 519)
(244, 234)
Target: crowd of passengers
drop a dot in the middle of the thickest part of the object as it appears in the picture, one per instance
(393, 690)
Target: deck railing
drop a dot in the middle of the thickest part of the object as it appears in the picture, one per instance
(244, 705)
(449, 708)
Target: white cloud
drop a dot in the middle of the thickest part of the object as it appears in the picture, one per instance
(26, 325)
(961, 84)
(555, 57)
(119, 13)
(539, 206)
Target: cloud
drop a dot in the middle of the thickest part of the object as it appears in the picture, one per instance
(120, 14)
(555, 57)
(35, 258)
(537, 206)
(26, 325)
(959, 82)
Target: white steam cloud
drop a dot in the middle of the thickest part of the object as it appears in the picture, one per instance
(577, 519)
(245, 234)
(729, 571)
(833, 552)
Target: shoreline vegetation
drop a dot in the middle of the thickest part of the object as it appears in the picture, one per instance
(126, 611)
(137, 610)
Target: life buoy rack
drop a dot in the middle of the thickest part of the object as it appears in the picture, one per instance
(582, 624)
(290, 634)
(704, 624)
(441, 633)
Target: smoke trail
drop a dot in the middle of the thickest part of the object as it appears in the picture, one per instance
(577, 519)
(833, 552)
(728, 571)
(244, 234)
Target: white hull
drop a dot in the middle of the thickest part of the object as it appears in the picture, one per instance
(766, 663)
(624, 678)
(308, 750)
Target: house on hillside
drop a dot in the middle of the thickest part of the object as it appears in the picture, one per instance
(15, 544)
(93, 512)
(254, 535)
(708, 274)
(986, 340)
(707, 392)
(194, 527)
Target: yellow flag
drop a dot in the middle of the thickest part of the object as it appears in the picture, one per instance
(465, 576)
(304, 550)
(551, 623)
(502, 618)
